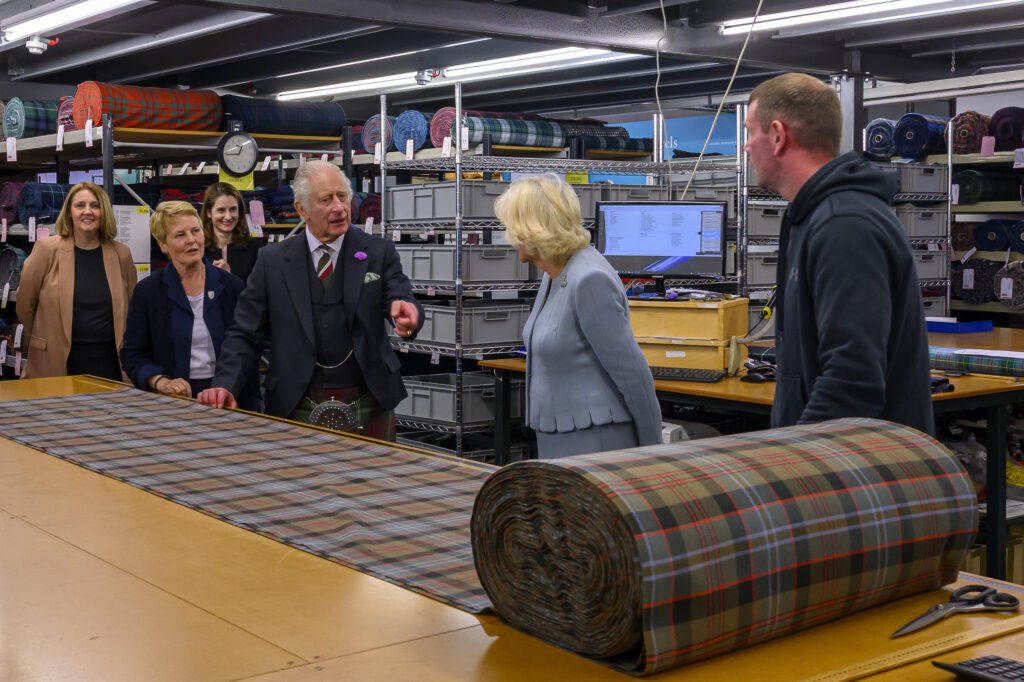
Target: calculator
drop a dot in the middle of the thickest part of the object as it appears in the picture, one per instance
(993, 668)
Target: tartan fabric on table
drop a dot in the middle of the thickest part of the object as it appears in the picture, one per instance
(949, 360)
(655, 557)
(277, 117)
(506, 131)
(384, 510)
(136, 107)
(968, 129)
(29, 118)
(42, 201)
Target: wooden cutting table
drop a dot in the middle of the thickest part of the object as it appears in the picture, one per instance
(103, 581)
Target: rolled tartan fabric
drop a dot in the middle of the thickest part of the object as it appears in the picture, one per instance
(30, 118)
(277, 117)
(11, 260)
(9, 192)
(968, 129)
(411, 125)
(149, 193)
(372, 133)
(665, 555)
(1007, 126)
(136, 107)
(880, 134)
(357, 139)
(505, 131)
(992, 235)
(983, 272)
(3, 106)
(987, 185)
(950, 360)
(370, 207)
(619, 144)
(584, 130)
(66, 113)
(1016, 232)
(42, 201)
(918, 135)
(442, 120)
(1015, 273)
(963, 236)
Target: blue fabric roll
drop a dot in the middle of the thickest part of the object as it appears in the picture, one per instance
(918, 135)
(276, 117)
(881, 137)
(992, 235)
(1016, 233)
(411, 125)
(42, 201)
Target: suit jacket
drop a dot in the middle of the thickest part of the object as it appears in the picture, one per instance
(46, 300)
(276, 301)
(583, 366)
(158, 337)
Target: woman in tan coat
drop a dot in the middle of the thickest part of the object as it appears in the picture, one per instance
(74, 291)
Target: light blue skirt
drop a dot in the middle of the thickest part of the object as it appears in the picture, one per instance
(614, 436)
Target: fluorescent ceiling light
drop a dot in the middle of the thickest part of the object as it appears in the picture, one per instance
(381, 58)
(534, 62)
(58, 19)
(857, 8)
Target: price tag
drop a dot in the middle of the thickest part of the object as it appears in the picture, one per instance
(325, 156)
(369, 225)
(32, 229)
(429, 232)
(169, 170)
(12, 149)
(396, 235)
(988, 146)
(88, 132)
(446, 148)
(18, 331)
(42, 232)
(60, 137)
(403, 348)
(409, 151)
(1018, 159)
(266, 164)
(3, 231)
(256, 215)
(465, 138)
(967, 256)
(366, 185)
(184, 169)
(202, 165)
(376, 153)
(17, 364)
(302, 160)
(932, 246)
(969, 278)
(7, 295)
(435, 358)
(954, 194)
(3, 352)
(1005, 289)
(431, 291)
(352, 155)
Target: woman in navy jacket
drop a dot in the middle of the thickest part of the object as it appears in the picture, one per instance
(178, 316)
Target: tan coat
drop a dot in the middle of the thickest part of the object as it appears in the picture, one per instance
(46, 301)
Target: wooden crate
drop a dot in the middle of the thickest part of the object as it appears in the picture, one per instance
(717, 320)
(694, 353)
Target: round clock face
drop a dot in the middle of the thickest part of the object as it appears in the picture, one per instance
(238, 153)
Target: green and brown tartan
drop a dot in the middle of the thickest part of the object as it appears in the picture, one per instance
(376, 422)
(954, 360)
(391, 512)
(659, 556)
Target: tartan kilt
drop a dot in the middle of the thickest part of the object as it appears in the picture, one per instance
(376, 422)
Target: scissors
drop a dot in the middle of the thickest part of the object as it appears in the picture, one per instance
(966, 599)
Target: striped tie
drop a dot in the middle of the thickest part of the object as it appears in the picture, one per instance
(324, 267)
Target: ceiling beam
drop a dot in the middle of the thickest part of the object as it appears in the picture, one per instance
(925, 29)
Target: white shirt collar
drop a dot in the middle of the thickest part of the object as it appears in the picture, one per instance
(315, 244)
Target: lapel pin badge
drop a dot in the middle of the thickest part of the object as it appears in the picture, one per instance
(209, 295)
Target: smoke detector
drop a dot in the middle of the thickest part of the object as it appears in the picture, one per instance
(37, 45)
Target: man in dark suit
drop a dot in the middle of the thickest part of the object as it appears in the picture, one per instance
(324, 297)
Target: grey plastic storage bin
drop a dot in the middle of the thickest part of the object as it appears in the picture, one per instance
(432, 398)
(764, 221)
(934, 306)
(481, 263)
(931, 264)
(923, 221)
(923, 179)
(726, 194)
(484, 323)
(634, 193)
(475, 446)
(761, 268)
(436, 200)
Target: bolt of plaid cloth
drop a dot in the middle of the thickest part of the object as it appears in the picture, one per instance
(988, 185)
(373, 132)
(42, 201)
(30, 118)
(411, 125)
(968, 130)
(953, 360)
(1007, 126)
(276, 117)
(137, 107)
(880, 134)
(918, 135)
(441, 121)
(665, 555)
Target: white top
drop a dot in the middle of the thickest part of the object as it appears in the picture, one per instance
(315, 244)
(204, 358)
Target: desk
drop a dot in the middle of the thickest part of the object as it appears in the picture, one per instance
(991, 394)
(102, 581)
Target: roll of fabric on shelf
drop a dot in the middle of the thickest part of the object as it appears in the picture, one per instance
(42, 201)
(11, 260)
(278, 117)
(443, 119)
(1008, 285)
(968, 129)
(9, 192)
(30, 117)
(369, 207)
(655, 557)
(149, 193)
(992, 235)
(619, 144)
(963, 236)
(411, 125)
(880, 142)
(987, 185)
(3, 105)
(136, 107)
(918, 135)
(66, 113)
(357, 139)
(972, 281)
(1007, 126)
(373, 133)
(515, 132)
(1016, 232)
(962, 360)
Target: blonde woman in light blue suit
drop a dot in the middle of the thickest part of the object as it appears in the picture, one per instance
(588, 385)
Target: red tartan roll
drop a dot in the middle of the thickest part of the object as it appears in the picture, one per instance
(135, 107)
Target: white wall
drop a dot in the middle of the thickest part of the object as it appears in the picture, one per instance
(990, 104)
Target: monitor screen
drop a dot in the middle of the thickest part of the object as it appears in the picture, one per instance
(670, 239)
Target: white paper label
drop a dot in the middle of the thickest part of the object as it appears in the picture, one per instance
(60, 137)
(954, 194)
(3, 231)
(169, 170)
(396, 235)
(352, 154)
(202, 165)
(431, 291)
(12, 149)
(266, 164)
(932, 246)
(465, 138)
(1018, 158)
(403, 348)
(302, 160)
(969, 278)
(184, 169)
(675, 354)
(446, 148)
(324, 156)
(409, 151)
(376, 153)
(1005, 289)
(18, 331)
(369, 225)
(967, 256)
(256, 215)
(7, 295)
(3, 352)
(17, 364)
(88, 132)
(435, 358)
(31, 229)
(366, 185)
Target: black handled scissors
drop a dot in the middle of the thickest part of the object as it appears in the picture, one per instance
(966, 599)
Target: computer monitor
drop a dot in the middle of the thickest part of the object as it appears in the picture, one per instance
(662, 239)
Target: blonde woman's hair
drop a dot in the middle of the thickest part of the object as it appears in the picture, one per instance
(542, 216)
(108, 228)
(165, 212)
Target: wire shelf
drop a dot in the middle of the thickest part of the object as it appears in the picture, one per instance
(473, 352)
(928, 283)
(900, 198)
(441, 427)
(448, 224)
(497, 164)
(449, 287)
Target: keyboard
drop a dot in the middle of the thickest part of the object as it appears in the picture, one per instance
(994, 668)
(708, 376)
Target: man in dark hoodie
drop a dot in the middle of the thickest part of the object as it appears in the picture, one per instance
(850, 331)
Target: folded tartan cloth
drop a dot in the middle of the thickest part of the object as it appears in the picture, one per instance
(655, 557)
(968, 129)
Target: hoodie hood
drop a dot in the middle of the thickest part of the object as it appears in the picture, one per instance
(850, 171)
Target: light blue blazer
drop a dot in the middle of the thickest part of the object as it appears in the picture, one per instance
(583, 366)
